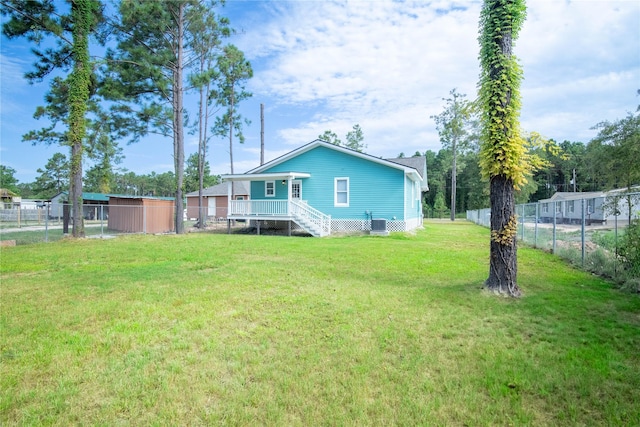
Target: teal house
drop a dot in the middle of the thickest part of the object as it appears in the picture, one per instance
(324, 188)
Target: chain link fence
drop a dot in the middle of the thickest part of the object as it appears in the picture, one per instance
(586, 232)
(36, 224)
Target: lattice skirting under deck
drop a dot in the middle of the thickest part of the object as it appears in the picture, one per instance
(344, 225)
(358, 225)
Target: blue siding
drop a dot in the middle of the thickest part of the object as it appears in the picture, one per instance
(412, 199)
(372, 187)
(257, 191)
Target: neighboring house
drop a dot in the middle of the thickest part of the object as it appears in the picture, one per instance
(8, 198)
(215, 199)
(598, 207)
(324, 188)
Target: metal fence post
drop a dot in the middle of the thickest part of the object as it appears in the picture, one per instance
(582, 229)
(536, 219)
(46, 224)
(553, 238)
(522, 223)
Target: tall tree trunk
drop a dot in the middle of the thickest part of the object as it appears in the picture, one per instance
(80, 79)
(178, 122)
(454, 172)
(231, 131)
(501, 151)
(201, 151)
(503, 267)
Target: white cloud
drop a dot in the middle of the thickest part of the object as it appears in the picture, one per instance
(386, 65)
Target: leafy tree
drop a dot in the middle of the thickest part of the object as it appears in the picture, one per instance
(157, 44)
(26, 191)
(54, 178)
(473, 192)
(354, 138)
(192, 174)
(330, 137)
(453, 127)
(436, 167)
(503, 156)
(207, 47)
(439, 205)
(629, 252)
(42, 20)
(235, 70)
(7, 179)
(617, 146)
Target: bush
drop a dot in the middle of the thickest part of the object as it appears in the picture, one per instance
(605, 239)
(601, 262)
(629, 250)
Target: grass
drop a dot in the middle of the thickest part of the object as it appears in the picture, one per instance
(263, 330)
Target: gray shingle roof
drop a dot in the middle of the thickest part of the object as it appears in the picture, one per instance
(240, 188)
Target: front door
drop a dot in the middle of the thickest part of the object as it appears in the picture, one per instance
(296, 189)
(211, 201)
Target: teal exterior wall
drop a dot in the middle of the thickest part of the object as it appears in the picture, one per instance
(373, 187)
(257, 191)
(412, 206)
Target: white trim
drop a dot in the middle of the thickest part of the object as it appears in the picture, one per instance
(274, 176)
(336, 203)
(266, 189)
(411, 172)
(299, 183)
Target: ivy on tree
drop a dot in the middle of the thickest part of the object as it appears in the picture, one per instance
(43, 20)
(502, 155)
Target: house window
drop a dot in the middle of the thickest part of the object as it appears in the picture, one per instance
(570, 206)
(341, 186)
(269, 189)
(591, 206)
(545, 208)
(558, 207)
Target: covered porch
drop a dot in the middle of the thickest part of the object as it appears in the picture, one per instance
(291, 209)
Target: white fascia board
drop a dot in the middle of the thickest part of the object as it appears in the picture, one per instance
(265, 176)
(319, 143)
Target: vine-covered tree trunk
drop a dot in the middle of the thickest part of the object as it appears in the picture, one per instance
(80, 81)
(503, 157)
(503, 266)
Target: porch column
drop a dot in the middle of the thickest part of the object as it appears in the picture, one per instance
(289, 196)
(229, 195)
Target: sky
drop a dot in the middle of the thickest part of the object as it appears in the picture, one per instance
(385, 65)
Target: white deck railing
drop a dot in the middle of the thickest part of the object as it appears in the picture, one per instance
(258, 208)
(320, 221)
(305, 215)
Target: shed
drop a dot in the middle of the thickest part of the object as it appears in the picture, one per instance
(135, 214)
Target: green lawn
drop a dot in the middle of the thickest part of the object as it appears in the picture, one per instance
(214, 329)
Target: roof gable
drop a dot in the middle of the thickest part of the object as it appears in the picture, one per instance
(410, 170)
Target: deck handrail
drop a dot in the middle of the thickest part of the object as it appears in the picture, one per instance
(321, 221)
(299, 211)
(258, 207)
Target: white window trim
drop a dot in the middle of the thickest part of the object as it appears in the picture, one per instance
(335, 192)
(266, 193)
